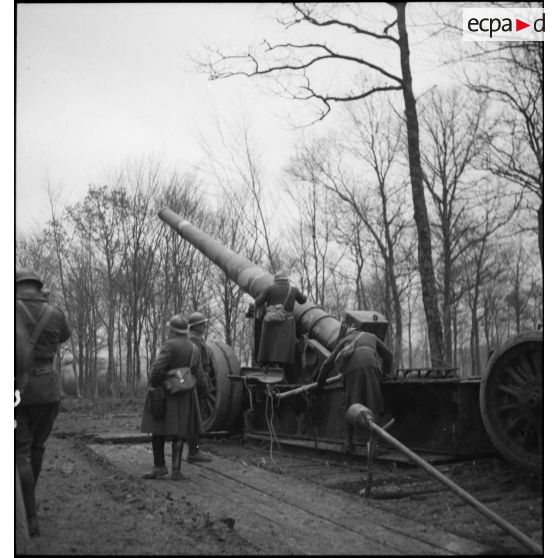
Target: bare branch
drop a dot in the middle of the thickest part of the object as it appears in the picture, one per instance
(305, 16)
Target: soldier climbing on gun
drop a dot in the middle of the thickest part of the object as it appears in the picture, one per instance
(278, 338)
(362, 359)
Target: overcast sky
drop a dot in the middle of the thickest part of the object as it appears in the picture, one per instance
(100, 84)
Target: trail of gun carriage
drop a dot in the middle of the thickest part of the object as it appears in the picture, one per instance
(456, 470)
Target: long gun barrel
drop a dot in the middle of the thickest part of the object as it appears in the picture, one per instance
(311, 319)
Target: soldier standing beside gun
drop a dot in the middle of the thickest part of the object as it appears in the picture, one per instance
(362, 359)
(40, 402)
(278, 338)
(196, 333)
(181, 419)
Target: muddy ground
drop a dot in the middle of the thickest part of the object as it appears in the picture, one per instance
(87, 506)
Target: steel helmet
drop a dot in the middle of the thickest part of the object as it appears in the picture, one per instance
(26, 274)
(178, 324)
(196, 318)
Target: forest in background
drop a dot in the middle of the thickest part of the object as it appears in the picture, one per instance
(345, 228)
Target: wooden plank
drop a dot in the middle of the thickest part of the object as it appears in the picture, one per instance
(121, 437)
(358, 515)
(135, 437)
(259, 518)
(299, 517)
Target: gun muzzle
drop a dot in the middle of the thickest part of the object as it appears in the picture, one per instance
(359, 415)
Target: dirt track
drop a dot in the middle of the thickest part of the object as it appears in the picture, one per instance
(92, 501)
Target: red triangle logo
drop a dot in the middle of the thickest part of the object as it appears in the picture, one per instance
(519, 25)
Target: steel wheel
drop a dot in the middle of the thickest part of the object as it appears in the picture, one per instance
(511, 400)
(217, 409)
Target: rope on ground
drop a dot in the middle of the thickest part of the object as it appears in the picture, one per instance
(249, 393)
(272, 434)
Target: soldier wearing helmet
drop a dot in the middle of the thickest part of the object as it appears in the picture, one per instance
(181, 419)
(47, 328)
(197, 324)
(278, 340)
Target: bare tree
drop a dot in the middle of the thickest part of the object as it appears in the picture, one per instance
(515, 134)
(452, 145)
(234, 164)
(371, 217)
(181, 270)
(478, 269)
(298, 59)
(99, 215)
(522, 283)
(376, 141)
(60, 245)
(136, 282)
(510, 74)
(313, 237)
(230, 229)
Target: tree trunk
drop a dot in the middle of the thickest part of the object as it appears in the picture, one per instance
(446, 302)
(540, 221)
(426, 267)
(391, 283)
(475, 337)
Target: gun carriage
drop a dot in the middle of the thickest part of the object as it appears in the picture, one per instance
(436, 412)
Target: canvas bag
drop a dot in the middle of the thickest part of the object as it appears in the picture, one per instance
(276, 313)
(157, 401)
(180, 379)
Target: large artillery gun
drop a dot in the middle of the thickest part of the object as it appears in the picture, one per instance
(437, 413)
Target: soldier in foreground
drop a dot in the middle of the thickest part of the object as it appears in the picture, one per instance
(196, 334)
(47, 327)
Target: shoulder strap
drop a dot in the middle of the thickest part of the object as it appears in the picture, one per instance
(43, 320)
(287, 297)
(194, 352)
(41, 325)
(27, 312)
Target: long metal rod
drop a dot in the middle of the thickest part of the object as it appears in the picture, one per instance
(463, 494)
(306, 387)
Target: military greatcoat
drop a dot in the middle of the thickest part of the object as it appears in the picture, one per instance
(43, 384)
(362, 370)
(182, 415)
(277, 342)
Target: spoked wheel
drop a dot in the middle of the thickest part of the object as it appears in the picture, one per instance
(511, 400)
(221, 410)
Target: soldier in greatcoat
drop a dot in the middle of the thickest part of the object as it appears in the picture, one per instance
(182, 419)
(46, 327)
(196, 333)
(362, 359)
(278, 340)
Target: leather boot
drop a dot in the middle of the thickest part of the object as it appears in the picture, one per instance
(28, 493)
(159, 467)
(194, 453)
(20, 520)
(177, 447)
